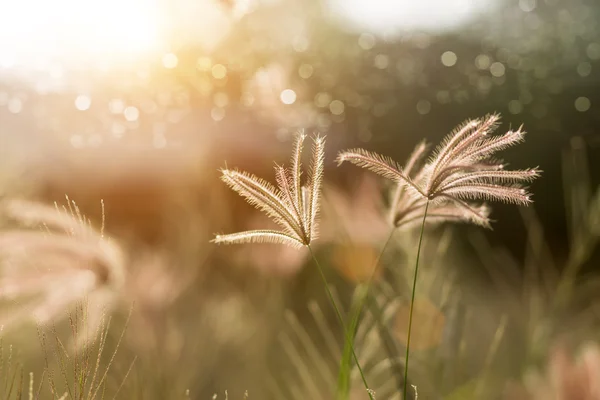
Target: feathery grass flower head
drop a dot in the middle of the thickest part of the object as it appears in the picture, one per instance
(64, 261)
(461, 169)
(293, 206)
(282, 261)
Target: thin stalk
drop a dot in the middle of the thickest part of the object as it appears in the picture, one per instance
(412, 302)
(364, 289)
(369, 282)
(341, 320)
(388, 343)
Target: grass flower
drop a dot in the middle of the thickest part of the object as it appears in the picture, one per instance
(461, 169)
(45, 271)
(293, 206)
(406, 209)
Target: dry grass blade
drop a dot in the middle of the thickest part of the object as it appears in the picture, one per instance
(11, 374)
(82, 371)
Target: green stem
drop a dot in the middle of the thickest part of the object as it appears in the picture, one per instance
(365, 288)
(412, 302)
(373, 273)
(375, 267)
(388, 343)
(341, 320)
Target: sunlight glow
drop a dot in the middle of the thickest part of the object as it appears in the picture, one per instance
(400, 16)
(34, 33)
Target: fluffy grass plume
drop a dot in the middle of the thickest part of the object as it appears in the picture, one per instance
(291, 205)
(53, 260)
(459, 170)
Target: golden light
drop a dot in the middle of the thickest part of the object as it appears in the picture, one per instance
(288, 96)
(34, 33)
(403, 16)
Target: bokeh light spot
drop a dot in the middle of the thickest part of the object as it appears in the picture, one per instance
(582, 104)
(527, 5)
(204, 64)
(217, 113)
(593, 51)
(170, 61)
(322, 99)
(116, 106)
(515, 107)
(15, 105)
(305, 71)
(131, 113)
(584, 69)
(497, 69)
(219, 71)
(366, 41)
(220, 99)
(336, 107)
(483, 61)
(423, 107)
(287, 96)
(381, 61)
(443, 97)
(300, 44)
(83, 102)
(449, 58)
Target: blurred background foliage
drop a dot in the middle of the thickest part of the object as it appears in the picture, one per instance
(138, 103)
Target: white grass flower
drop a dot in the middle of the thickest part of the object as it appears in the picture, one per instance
(293, 206)
(63, 262)
(460, 169)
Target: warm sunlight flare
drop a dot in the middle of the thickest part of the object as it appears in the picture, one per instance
(393, 17)
(34, 33)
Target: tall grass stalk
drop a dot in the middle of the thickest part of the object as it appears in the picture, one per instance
(366, 286)
(358, 303)
(412, 301)
(387, 341)
(344, 373)
(361, 296)
(348, 339)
